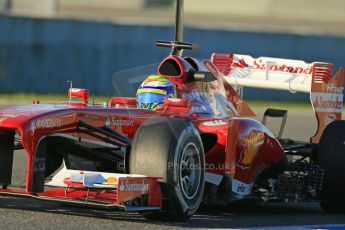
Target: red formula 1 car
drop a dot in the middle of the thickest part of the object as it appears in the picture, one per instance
(201, 146)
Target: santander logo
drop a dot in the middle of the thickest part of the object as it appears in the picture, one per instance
(321, 101)
(272, 66)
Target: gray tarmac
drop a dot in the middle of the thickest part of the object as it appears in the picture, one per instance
(28, 213)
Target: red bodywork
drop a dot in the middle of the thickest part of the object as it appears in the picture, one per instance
(235, 145)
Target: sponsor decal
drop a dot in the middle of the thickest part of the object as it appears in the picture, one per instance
(241, 188)
(9, 115)
(132, 187)
(273, 67)
(48, 123)
(4, 116)
(118, 122)
(327, 102)
(251, 146)
(174, 99)
(122, 187)
(240, 64)
(111, 180)
(334, 89)
(214, 123)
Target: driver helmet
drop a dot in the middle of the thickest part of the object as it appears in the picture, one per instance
(153, 92)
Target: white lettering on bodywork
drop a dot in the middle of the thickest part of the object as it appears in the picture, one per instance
(131, 187)
(241, 188)
(119, 122)
(9, 115)
(48, 123)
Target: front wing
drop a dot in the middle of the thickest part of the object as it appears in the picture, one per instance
(98, 189)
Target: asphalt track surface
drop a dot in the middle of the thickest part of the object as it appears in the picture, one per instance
(28, 213)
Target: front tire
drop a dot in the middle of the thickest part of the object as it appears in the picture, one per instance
(171, 149)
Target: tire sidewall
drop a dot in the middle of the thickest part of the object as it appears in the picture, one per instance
(157, 151)
(186, 206)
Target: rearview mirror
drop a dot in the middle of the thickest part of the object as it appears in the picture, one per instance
(203, 76)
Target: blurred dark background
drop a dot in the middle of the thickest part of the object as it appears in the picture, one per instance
(44, 43)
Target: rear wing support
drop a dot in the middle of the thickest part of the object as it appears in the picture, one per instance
(277, 113)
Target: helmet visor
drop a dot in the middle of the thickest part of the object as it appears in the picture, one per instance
(151, 98)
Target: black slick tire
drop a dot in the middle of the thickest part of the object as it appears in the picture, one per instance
(331, 158)
(160, 149)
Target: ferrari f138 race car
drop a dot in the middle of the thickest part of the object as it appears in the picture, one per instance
(200, 146)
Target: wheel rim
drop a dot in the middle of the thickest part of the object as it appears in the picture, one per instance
(190, 170)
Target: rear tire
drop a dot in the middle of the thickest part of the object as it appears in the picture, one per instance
(171, 149)
(332, 207)
(331, 158)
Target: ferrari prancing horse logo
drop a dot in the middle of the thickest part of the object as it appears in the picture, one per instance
(251, 146)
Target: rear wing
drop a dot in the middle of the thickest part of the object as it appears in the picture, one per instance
(326, 91)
